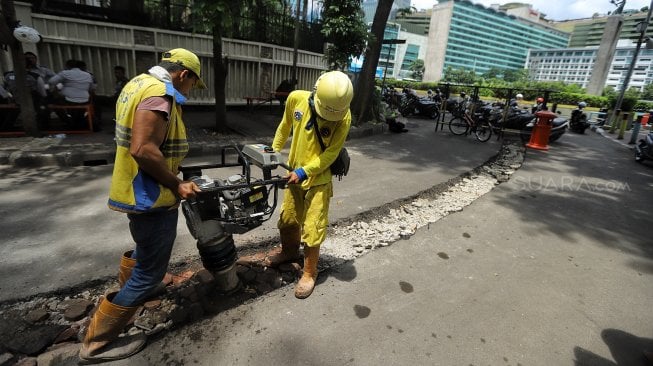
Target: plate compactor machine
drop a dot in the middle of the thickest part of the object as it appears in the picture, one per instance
(234, 205)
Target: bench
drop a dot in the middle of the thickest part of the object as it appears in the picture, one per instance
(257, 101)
(88, 108)
(6, 108)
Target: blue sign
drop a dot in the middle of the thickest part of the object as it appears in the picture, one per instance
(356, 65)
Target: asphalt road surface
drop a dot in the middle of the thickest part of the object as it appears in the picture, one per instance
(57, 232)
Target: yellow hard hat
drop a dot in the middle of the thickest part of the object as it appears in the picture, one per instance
(188, 60)
(333, 93)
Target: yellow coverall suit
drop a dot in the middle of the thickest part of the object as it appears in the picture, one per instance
(306, 205)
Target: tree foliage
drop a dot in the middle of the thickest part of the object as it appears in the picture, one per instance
(344, 30)
(417, 69)
(647, 94)
(406, 11)
(631, 97)
(459, 76)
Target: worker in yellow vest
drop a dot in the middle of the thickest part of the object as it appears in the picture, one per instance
(151, 143)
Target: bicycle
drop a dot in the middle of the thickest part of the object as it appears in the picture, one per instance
(464, 123)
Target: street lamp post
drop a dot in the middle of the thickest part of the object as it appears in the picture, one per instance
(641, 28)
(391, 42)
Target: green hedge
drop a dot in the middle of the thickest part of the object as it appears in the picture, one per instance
(575, 98)
(643, 106)
(501, 91)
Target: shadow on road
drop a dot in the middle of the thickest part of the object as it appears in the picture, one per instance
(626, 349)
(585, 185)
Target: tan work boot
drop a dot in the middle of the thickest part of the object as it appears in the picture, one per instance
(290, 241)
(101, 343)
(306, 284)
(127, 263)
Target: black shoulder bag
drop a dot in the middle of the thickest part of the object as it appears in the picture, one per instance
(340, 166)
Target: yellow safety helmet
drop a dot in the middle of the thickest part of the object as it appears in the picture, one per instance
(332, 95)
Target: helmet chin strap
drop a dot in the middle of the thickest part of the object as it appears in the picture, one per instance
(311, 103)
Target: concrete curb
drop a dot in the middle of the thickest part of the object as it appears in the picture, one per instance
(609, 136)
(42, 152)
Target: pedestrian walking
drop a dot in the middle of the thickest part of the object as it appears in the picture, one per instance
(304, 213)
(151, 143)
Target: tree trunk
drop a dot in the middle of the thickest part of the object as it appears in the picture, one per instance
(221, 68)
(24, 97)
(236, 10)
(362, 103)
(260, 22)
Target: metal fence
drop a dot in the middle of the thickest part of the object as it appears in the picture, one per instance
(273, 24)
(254, 68)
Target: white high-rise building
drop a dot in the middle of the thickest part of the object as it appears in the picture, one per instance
(574, 65)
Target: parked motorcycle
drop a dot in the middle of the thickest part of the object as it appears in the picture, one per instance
(559, 126)
(644, 149)
(524, 121)
(579, 121)
(411, 104)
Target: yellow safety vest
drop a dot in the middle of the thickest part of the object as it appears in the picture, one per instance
(132, 190)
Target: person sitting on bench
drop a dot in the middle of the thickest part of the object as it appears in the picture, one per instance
(284, 89)
(74, 87)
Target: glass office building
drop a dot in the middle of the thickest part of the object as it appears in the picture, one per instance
(396, 59)
(589, 31)
(369, 8)
(471, 36)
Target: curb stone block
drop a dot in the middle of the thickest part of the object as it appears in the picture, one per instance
(4, 156)
(68, 158)
(31, 159)
(95, 155)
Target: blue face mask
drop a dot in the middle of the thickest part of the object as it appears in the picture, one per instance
(170, 90)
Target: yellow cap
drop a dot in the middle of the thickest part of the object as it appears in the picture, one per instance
(186, 59)
(333, 94)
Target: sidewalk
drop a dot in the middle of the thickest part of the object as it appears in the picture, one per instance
(98, 148)
(626, 140)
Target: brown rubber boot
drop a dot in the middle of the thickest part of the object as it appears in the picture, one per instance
(290, 241)
(306, 284)
(101, 343)
(127, 263)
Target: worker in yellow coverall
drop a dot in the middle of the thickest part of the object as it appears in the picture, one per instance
(305, 210)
